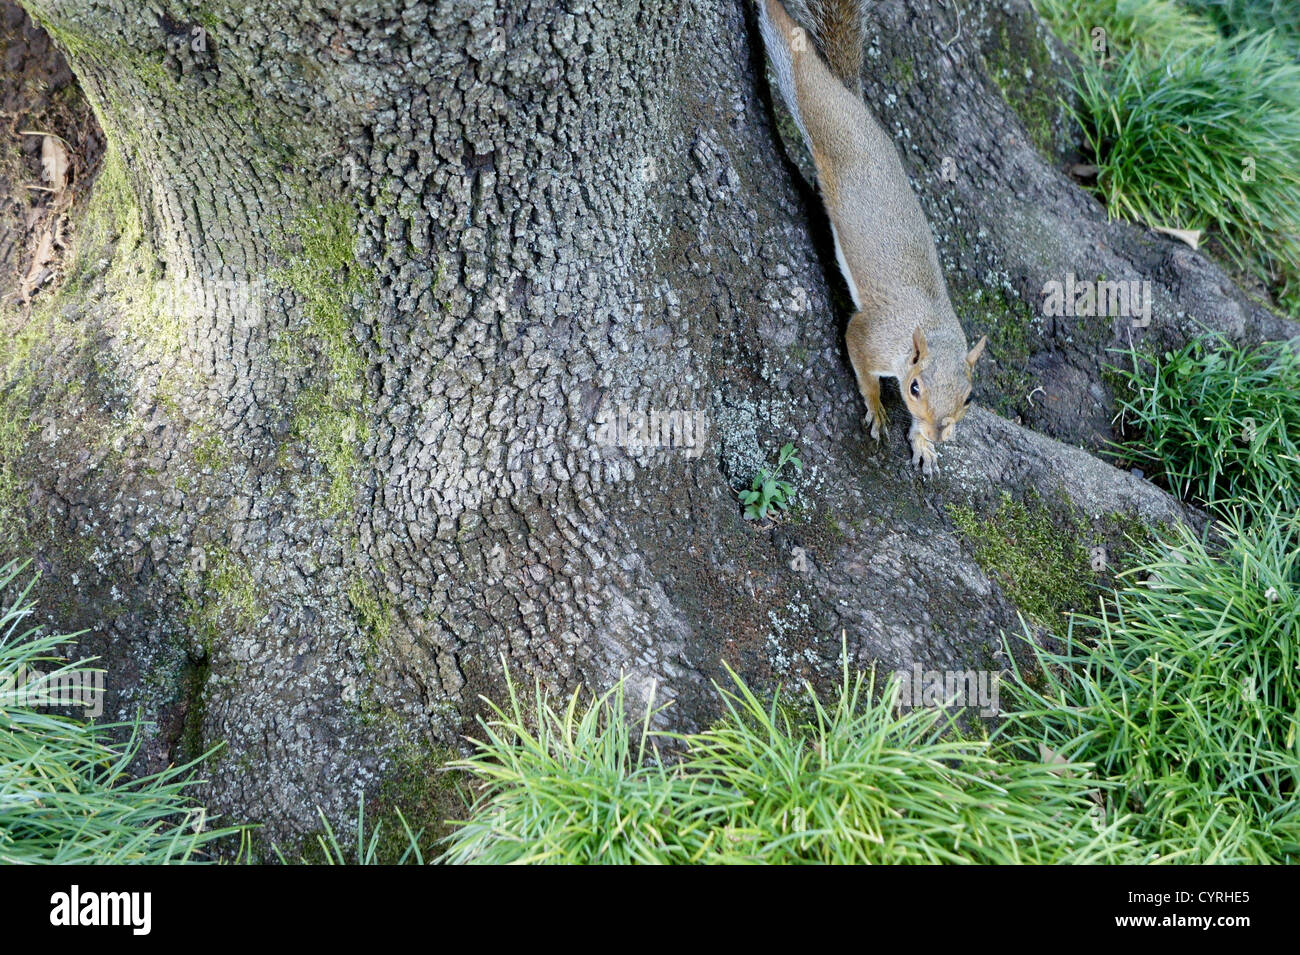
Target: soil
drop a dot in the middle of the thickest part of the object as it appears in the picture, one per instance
(39, 98)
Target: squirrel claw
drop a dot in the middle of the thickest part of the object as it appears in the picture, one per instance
(924, 455)
(876, 423)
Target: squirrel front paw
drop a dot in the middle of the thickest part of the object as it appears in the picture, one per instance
(877, 424)
(923, 453)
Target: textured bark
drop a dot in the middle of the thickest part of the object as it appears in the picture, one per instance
(560, 207)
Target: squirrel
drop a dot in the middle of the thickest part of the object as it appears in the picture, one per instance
(904, 325)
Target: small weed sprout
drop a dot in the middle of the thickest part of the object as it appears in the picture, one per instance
(768, 493)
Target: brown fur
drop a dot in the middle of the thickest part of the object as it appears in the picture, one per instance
(905, 326)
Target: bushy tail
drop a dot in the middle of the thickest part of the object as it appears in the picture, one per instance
(839, 29)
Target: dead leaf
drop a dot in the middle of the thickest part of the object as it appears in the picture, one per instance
(41, 260)
(1052, 759)
(54, 164)
(1191, 236)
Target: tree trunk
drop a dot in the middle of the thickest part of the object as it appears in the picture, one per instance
(345, 432)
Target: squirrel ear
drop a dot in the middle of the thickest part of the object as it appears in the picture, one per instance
(919, 349)
(977, 351)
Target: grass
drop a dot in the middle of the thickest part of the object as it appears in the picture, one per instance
(854, 782)
(569, 785)
(1234, 17)
(1216, 423)
(1188, 703)
(1206, 142)
(66, 795)
(1186, 694)
(1168, 735)
(364, 847)
(1192, 129)
(1152, 28)
(857, 783)
(1162, 729)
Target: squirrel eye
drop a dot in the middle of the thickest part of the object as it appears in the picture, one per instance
(968, 399)
(916, 387)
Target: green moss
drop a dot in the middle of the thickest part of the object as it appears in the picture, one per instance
(227, 599)
(30, 334)
(19, 339)
(1116, 381)
(194, 686)
(418, 788)
(904, 74)
(373, 611)
(427, 796)
(1009, 324)
(233, 584)
(787, 128)
(112, 220)
(321, 268)
(831, 524)
(1126, 538)
(211, 453)
(15, 429)
(1040, 555)
(112, 211)
(1020, 65)
(208, 19)
(333, 434)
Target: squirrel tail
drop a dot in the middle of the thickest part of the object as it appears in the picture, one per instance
(839, 28)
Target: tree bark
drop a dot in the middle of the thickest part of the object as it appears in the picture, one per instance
(308, 505)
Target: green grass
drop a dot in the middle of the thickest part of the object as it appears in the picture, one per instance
(373, 846)
(1207, 141)
(1217, 424)
(1234, 17)
(853, 782)
(856, 782)
(1188, 703)
(1193, 129)
(1167, 735)
(66, 795)
(1162, 728)
(1151, 27)
(572, 784)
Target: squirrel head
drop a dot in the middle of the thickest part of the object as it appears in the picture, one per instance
(937, 385)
